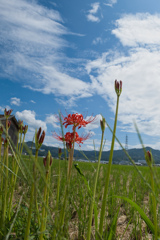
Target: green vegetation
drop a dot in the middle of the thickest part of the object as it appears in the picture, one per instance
(45, 198)
(125, 181)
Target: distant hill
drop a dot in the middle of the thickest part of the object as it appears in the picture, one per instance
(118, 155)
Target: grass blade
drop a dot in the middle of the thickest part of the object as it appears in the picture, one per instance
(141, 212)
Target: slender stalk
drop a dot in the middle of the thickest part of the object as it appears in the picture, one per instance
(42, 229)
(4, 200)
(108, 172)
(62, 214)
(94, 191)
(154, 205)
(35, 188)
(22, 144)
(70, 161)
(57, 200)
(26, 237)
(14, 178)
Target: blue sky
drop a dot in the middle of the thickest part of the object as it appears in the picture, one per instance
(65, 55)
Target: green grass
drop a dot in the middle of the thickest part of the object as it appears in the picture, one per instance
(124, 181)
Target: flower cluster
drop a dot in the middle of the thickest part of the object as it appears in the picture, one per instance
(69, 138)
(76, 120)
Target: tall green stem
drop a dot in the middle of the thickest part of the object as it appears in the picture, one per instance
(35, 188)
(108, 172)
(94, 191)
(57, 200)
(26, 237)
(4, 200)
(154, 204)
(44, 216)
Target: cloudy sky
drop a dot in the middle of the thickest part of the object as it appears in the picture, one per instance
(65, 56)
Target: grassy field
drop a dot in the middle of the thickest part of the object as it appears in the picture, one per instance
(62, 200)
(124, 181)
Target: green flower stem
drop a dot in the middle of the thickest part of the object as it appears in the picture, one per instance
(33, 198)
(1, 172)
(0, 146)
(57, 200)
(47, 198)
(26, 237)
(22, 144)
(14, 177)
(154, 204)
(35, 187)
(12, 187)
(44, 215)
(62, 214)
(4, 157)
(70, 161)
(108, 172)
(4, 202)
(94, 191)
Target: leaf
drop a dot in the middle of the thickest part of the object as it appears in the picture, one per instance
(90, 193)
(141, 212)
(112, 230)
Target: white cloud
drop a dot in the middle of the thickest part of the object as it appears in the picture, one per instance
(138, 30)
(91, 13)
(33, 44)
(139, 70)
(32, 101)
(140, 98)
(15, 101)
(53, 120)
(97, 40)
(29, 117)
(111, 3)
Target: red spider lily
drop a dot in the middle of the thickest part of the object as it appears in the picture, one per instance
(7, 113)
(69, 138)
(76, 120)
(118, 87)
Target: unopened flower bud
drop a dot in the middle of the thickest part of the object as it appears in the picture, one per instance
(118, 87)
(103, 124)
(38, 133)
(7, 113)
(149, 158)
(20, 126)
(9, 124)
(45, 160)
(42, 137)
(59, 152)
(25, 129)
